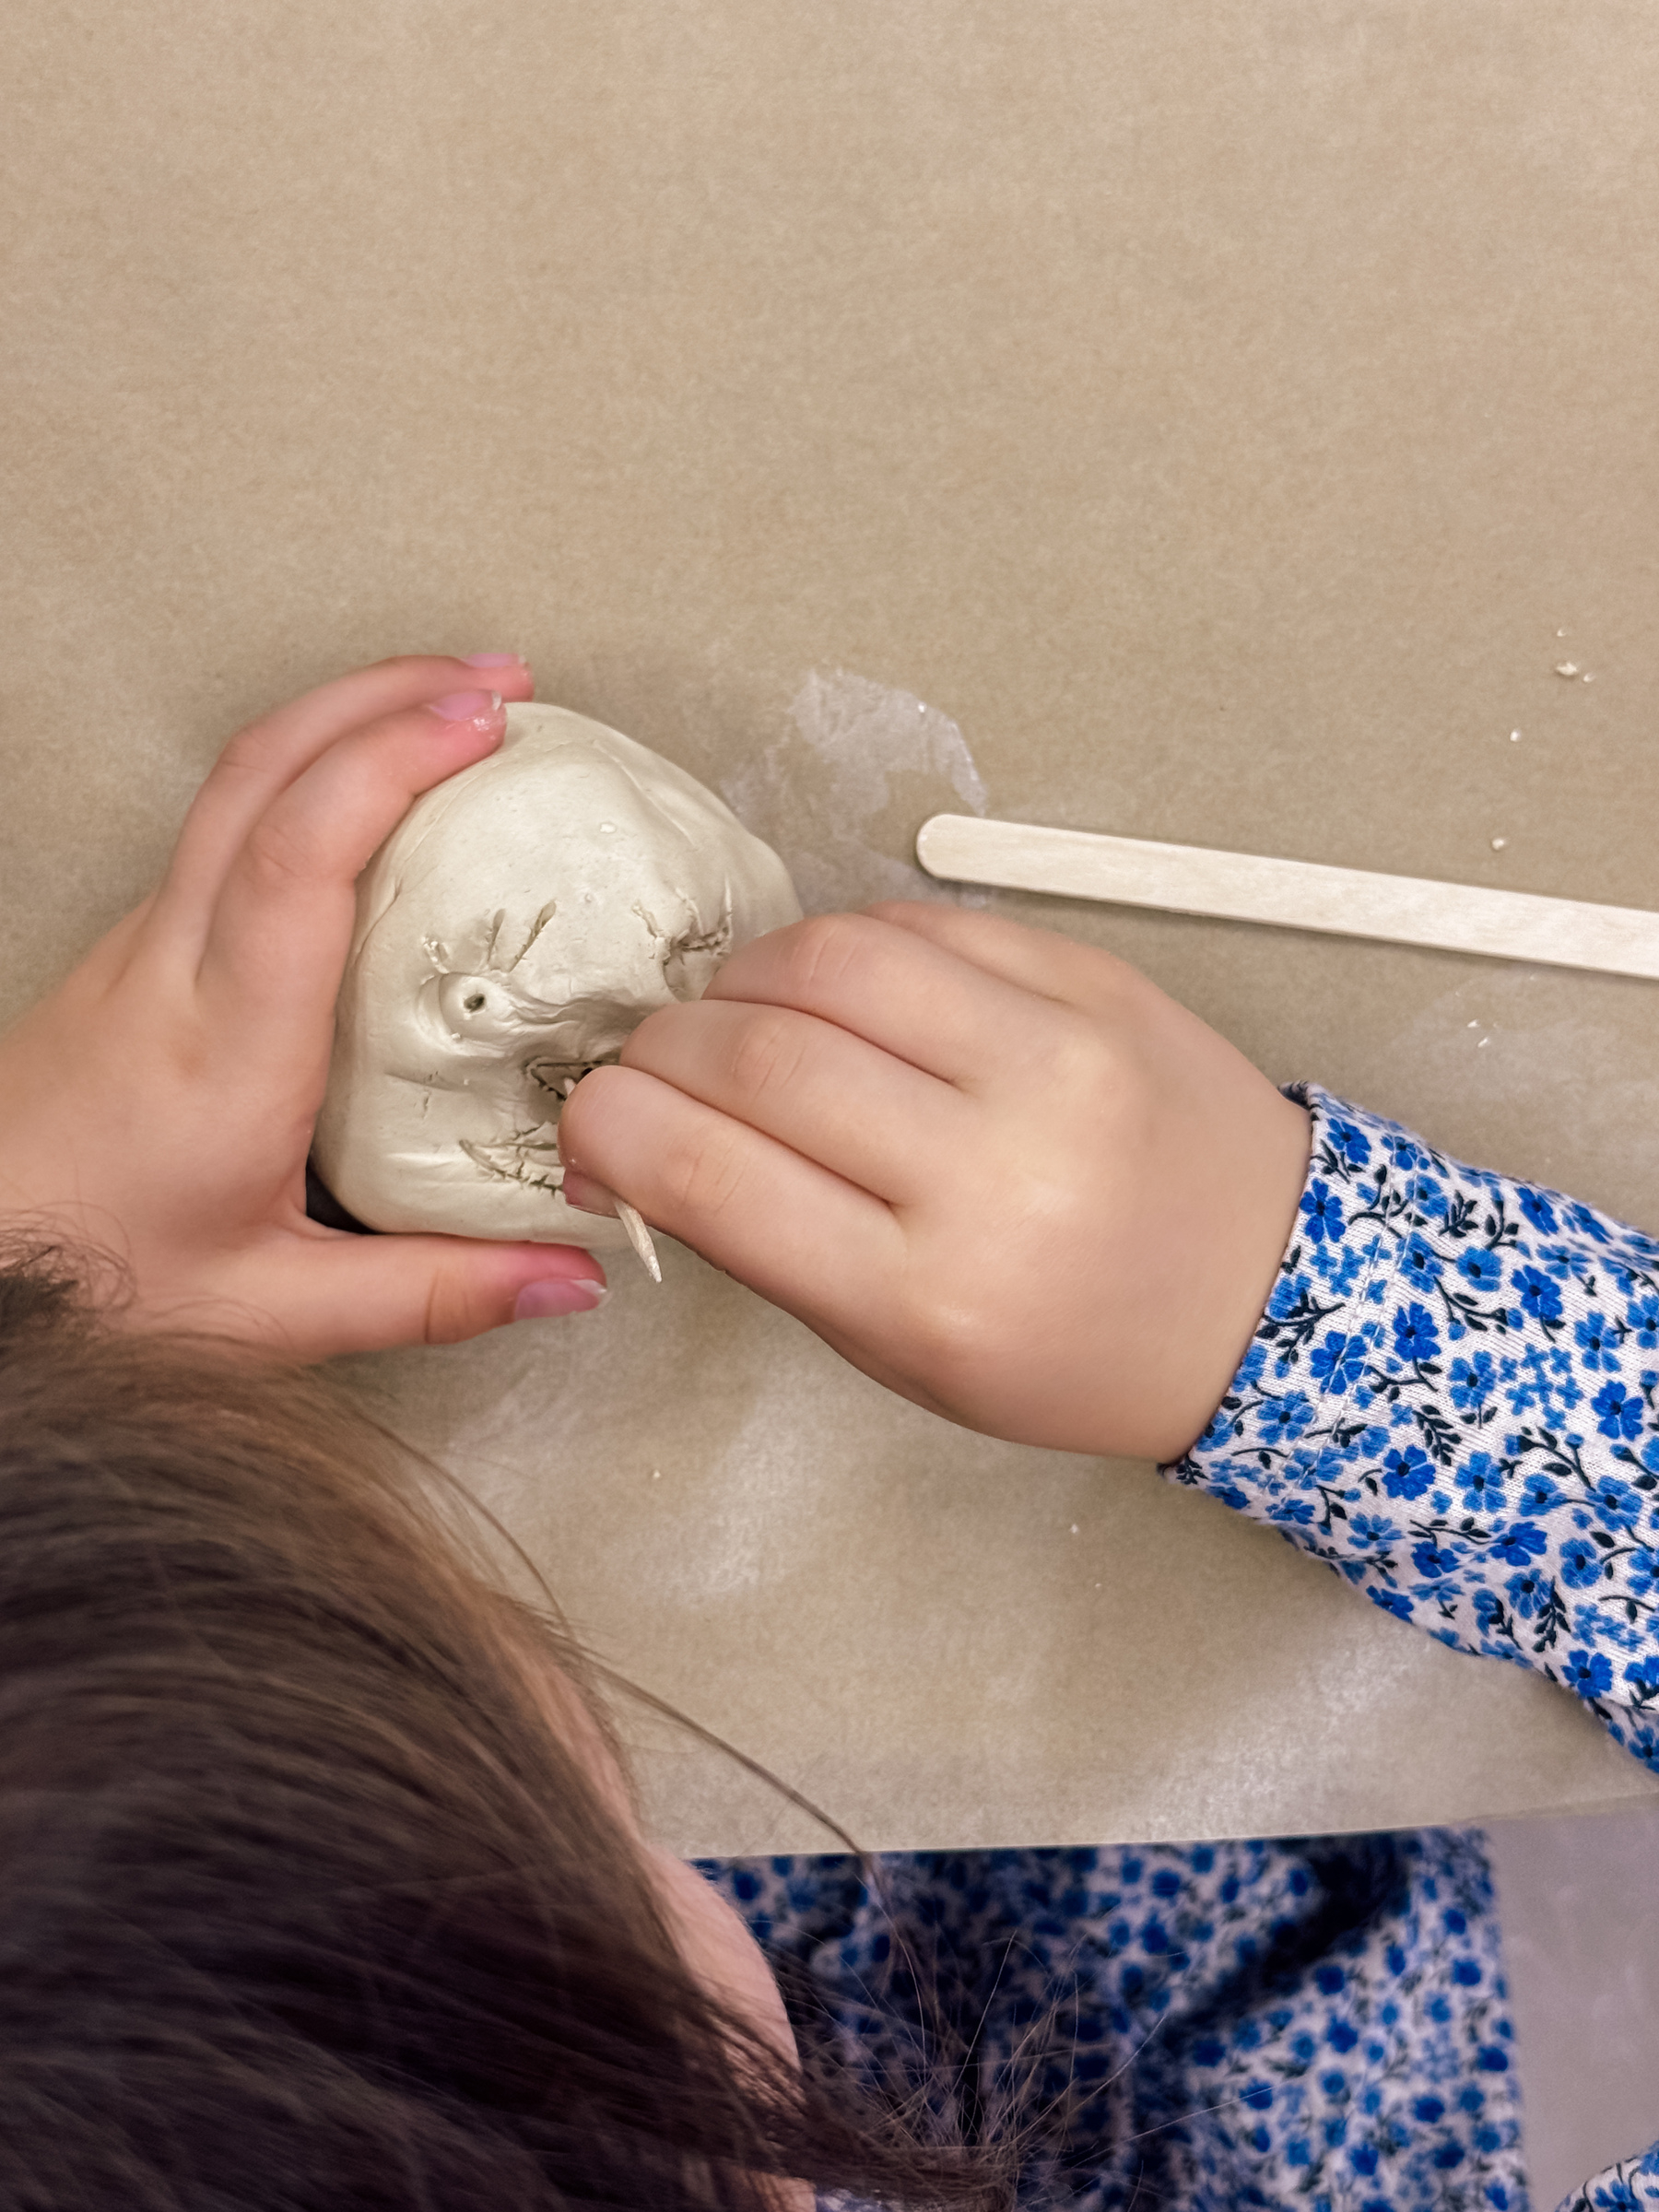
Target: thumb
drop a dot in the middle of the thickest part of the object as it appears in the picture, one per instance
(340, 1293)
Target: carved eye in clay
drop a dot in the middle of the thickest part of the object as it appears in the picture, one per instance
(477, 1008)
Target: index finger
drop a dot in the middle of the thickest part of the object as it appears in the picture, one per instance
(1045, 962)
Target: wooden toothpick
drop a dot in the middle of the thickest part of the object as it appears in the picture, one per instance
(638, 1236)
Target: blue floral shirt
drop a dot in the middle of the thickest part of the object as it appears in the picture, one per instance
(1450, 1398)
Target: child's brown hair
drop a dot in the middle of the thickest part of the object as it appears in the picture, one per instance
(305, 1902)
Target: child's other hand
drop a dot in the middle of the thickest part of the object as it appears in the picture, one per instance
(997, 1170)
(159, 1106)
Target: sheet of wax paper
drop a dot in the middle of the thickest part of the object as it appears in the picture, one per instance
(1207, 423)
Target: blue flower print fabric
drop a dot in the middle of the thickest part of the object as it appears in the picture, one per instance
(1631, 2186)
(1319, 2024)
(1450, 1398)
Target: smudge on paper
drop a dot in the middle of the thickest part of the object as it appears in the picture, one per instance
(843, 792)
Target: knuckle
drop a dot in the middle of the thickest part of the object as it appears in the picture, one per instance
(249, 755)
(765, 1054)
(451, 1313)
(277, 857)
(819, 955)
(702, 1173)
(439, 1320)
(1076, 1059)
(952, 1340)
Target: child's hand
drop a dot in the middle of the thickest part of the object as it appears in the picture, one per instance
(159, 1106)
(998, 1170)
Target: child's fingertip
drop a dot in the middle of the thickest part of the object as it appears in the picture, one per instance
(558, 1294)
(586, 1196)
(481, 709)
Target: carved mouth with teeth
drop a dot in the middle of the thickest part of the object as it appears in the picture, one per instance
(530, 1156)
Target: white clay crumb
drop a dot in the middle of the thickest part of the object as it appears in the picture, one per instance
(1588, 678)
(1514, 737)
(1560, 633)
(1498, 844)
(1473, 1025)
(1482, 1043)
(1073, 1530)
(1567, 668)
(656, 1474)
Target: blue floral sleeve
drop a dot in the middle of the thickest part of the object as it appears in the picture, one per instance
(1452, 1399)
(1631, 2186)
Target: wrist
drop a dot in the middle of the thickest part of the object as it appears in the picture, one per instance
(1257, 1176)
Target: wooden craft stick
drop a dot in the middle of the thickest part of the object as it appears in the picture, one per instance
(1294, 894)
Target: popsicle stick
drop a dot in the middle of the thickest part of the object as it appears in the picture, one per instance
(1294, 894)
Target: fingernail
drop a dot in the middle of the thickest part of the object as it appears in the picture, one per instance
(466, 706)
(495, 660)
(558, 1294)
(586, 1196)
